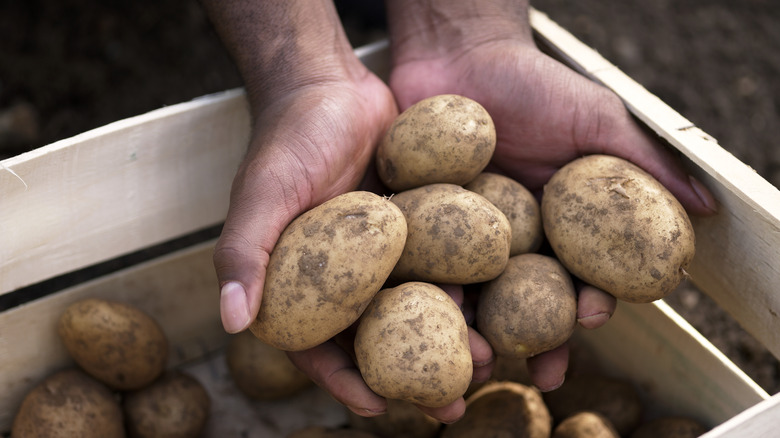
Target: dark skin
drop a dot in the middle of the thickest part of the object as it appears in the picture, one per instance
(318, 115)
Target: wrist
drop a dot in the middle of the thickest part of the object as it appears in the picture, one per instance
(442, 28)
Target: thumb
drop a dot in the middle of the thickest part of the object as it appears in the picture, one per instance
(263, 201)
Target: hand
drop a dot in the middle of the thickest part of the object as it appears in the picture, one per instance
(546, 115)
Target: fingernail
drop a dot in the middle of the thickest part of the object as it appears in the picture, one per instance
(593, 321)
(554, 386)
(703, 194)
(234, 307)
(365, 412)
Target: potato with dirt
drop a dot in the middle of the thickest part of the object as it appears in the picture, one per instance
(518, 205)
(412, 344)
(586, 424)
(441, 139)
(617, 228)
(529, 309)
(174, 406)
(326, 267)
(503, 409)
(402, 419)
(69, 403)
(454, 236)
(260, 371)
(115, 342)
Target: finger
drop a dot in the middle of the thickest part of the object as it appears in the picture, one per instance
(548, 370)
(447, 414)
(481, 356)
(594, 307)
(455, 291)
(333, 370)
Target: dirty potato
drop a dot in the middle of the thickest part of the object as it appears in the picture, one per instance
(403, 419)
(518, 205)
(176, 405)
(260, 371)
(454, 236)
(614, 226)
(586, 424)
(441, 139)
(503, 409)
(412, 344)
(529, 309)
(117, 343)
(69, 403)
(326, 267)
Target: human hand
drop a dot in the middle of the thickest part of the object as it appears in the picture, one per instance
(546, 115)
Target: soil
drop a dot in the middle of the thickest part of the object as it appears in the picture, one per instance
(70, 66)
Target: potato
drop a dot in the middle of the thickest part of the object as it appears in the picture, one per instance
(454, 236)
(586, 424)
(518, 205)
(174, 406)
(412, 344)
(503, 409)
(529, 309)
(66, 404)
(325, 268)
(616, 399)
(441, 139)
(260, 371)
(402, 419)
(614, 226)
(114, 342)
(329, 432)
(670, 427)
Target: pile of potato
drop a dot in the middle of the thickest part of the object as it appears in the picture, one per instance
(120, 386)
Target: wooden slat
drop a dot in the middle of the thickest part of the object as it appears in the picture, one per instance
(760, 421)
(180, 291)
(737, 259)
(677, 368)
(119, 188)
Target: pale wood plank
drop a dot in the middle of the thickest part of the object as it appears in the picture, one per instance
(737, 261)
(119, 188)
(179, 290)
(675, 366)
(760, 421)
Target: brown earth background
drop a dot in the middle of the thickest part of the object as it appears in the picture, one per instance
(73, 65)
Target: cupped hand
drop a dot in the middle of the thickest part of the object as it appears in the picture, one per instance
(546, 115)
(306, 147)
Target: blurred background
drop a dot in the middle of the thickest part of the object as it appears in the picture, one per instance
(73, 65)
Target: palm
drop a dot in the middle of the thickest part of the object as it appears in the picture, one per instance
(545, 114)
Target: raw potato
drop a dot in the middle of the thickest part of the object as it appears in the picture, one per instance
(260, 371)
(587, 424)
(442, 139)
(529, 309)
(670, 427)
(614, 226)
(412, 344)
(329, 432)
(326, 267)
(66, 404)
(616, 399)
(518, 205)
(174, 406)
(402, 419)
(114, 342)
(503, 409)
(455, 236)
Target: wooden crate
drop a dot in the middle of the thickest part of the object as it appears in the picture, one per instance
(143, 181)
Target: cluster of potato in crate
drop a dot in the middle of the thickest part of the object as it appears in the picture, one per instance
(378, 263)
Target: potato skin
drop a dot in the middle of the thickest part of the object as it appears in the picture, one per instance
(614, 226)
(260, 371)
(503, 409)
(454, 236)
(69, 403)
(174, 406)
(412, 344)
(586, 424)
(441, 139)
(116, 343)
(403, 419)
(518, 205)
(325, 268)
(529, 309)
